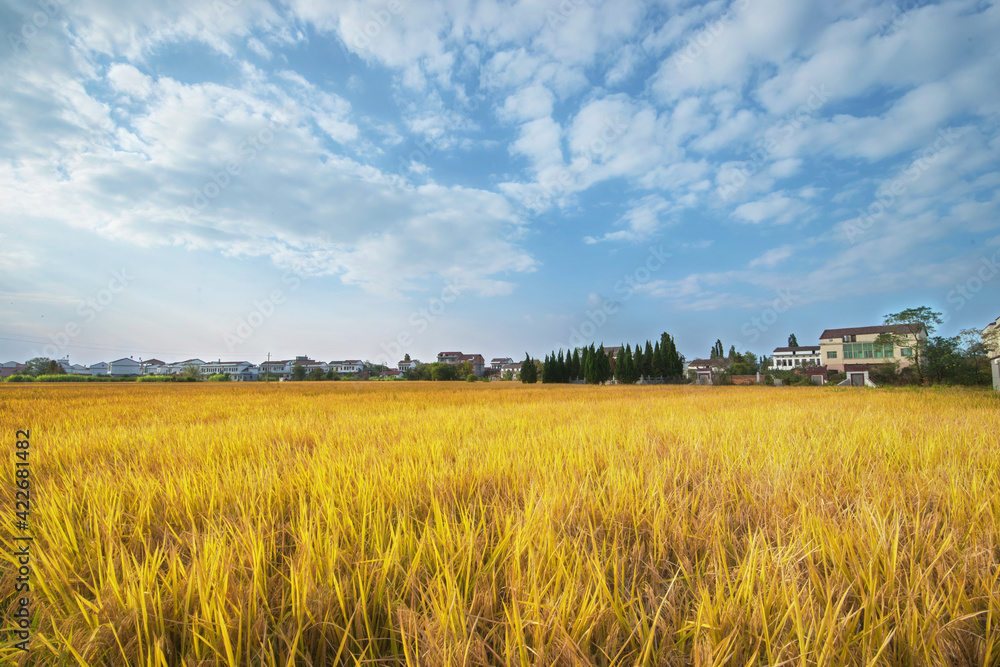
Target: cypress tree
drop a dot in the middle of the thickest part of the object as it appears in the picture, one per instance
(562, 375)
(658, 369)
(620, 366)
(574, 369)
(605, 367)
(529, 374)
(625, 361)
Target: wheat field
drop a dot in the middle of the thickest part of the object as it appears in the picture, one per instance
(506, 524)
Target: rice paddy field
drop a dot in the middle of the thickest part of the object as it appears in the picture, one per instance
(505, 524)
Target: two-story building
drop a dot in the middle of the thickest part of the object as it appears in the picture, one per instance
(787, 358)
(151, 366)
(404, 365)
(991, 339)
(497, 363)
(514, 369)
(123, 367)
(348, 367)
(856, 349)
(239, 371)
(97, 369)
(276, 369)
(178, 367)
(478, 361)
(9, 368)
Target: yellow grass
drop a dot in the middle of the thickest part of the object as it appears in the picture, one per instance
(502, 524)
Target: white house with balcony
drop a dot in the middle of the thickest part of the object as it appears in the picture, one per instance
(239, 371)
(497, 363)
(787, 358)
(347, 367)
(407, 365)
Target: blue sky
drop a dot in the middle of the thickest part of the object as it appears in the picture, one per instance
(363, 179)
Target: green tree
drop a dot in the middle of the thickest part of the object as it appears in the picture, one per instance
(717, 352)
(921, 317)
(603, 365)
(298, 372)
(529, 373)
(53, 368)
(442, 372)
(792, 341)
(406, 357)
(191, 372)
(315, 374)
(619, 373)
(647, 361)
(658, 367)
(574, 365)
(36, 366)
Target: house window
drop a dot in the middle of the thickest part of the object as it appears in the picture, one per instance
(831, 354)
(906, 351)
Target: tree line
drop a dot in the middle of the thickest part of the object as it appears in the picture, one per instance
(593, 364)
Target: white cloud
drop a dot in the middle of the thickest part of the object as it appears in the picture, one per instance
(771, 258)
(258, 47)
(775, 207)
(640, 222)
(130, 81)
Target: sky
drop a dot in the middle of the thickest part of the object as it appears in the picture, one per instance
(361, 180)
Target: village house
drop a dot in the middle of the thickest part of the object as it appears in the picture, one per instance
(515, 370)
(177, 367)
(707, 371)
(497, 363)
(348, 367)
(123, 367)
(991, 339)
(478, 361)
(151, 366)
(787, 358)
(100, 368)
(9, 368)
(407, 365)
(239, 371)
(855, 350)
